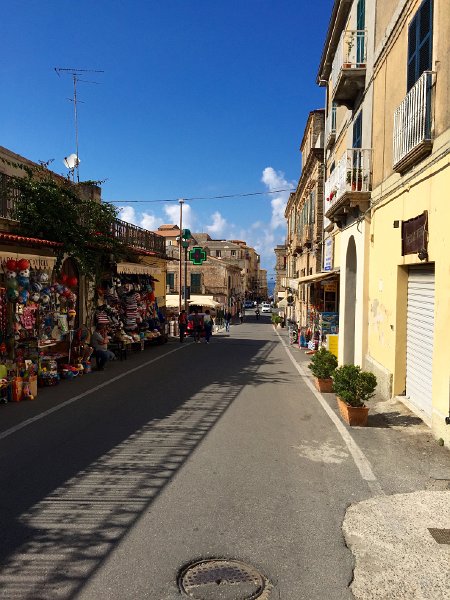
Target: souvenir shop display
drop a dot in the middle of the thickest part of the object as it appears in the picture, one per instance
(127, 304)
(35, 315)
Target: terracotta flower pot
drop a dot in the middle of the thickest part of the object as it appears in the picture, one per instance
(355, 416)
(324, 385)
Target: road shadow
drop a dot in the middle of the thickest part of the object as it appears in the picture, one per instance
(76, 482)
(391, 419)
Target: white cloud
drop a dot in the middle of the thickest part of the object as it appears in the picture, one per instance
(218, 224)
(150, 222)
(173, 213)
(275, 180)
(128, 214)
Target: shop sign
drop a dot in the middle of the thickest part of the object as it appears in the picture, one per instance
(329, 287)
(328, 254)
(415, 234)
(44, 263)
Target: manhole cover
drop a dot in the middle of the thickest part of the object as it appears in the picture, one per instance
(221, 579)
(442, 536)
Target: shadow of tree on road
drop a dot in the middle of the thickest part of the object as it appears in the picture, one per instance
(57, 534)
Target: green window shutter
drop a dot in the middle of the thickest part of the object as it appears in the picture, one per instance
(420, 43)
(170, 280)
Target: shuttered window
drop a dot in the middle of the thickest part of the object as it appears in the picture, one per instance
(360, 25)
(420, 42)
(170, 280)
(357, 131)
(196, 283)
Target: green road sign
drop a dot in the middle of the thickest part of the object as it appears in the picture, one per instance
(197, 255)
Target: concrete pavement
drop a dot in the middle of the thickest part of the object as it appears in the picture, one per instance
(113, 483)
(396, 555)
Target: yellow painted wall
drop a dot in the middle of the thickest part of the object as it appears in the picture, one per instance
(388, 280)
(159, 271)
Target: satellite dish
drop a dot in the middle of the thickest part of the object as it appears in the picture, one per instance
(71, 161)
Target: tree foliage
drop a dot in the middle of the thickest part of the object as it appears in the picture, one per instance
(53, 209)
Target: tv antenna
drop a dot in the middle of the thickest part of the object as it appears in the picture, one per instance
(72, 162)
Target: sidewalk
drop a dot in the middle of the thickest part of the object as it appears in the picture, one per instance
(400, 538)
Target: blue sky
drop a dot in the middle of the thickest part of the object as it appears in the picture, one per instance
(197, 98)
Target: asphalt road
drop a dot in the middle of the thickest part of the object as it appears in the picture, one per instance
(111, 484)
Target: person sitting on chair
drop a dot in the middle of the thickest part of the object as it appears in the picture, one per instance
(99, 341)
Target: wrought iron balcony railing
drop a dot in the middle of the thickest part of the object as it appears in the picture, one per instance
(349, 66)
(352, 175)
(138, 238)
(412, 138)
(131, 235)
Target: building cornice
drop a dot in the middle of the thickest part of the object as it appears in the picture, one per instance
(339, 16)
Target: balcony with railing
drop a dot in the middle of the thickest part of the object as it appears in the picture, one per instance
(412, 138)
(348, 73)
(348, 187)
(330, 128)
(138, 238)
(307, 235)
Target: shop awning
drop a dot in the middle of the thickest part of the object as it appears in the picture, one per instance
(172, 300)
(37, 261)
(317, 277)
(198, 300)
(282, 303)
(133, 269)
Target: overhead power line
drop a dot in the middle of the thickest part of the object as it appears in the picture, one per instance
(222, 197)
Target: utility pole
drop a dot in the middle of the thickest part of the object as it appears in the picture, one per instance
(181, 201)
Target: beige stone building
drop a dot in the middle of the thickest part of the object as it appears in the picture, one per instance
(345, 71)
(280, 272)
(309, 287)
(215, 277)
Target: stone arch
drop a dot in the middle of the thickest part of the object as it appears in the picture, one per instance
(351, 267)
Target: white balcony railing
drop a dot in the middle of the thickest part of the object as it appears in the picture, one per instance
(330, 126)
(412, 119)
(353, 173)
(350, 53)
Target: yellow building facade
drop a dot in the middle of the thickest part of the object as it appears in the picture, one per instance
(385, 67)
(409, 264)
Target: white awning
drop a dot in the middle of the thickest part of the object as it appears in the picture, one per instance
(317, 277)
(198, 300)
(37, 261)
(282, 303)
(172, 301)
(134, 269)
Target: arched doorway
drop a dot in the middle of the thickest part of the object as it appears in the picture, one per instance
(350, 302)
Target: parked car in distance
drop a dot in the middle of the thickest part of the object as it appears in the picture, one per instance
(248, 304)
(266, 308)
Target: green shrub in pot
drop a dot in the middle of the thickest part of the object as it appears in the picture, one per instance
(353, 386)
(323, 363)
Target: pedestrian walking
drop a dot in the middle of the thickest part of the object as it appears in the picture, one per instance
(197, 323)
(182, 325)
(208, 324)
(227, 320)
(241, 316)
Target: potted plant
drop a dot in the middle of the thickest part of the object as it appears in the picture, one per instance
(322, 365)
(353, 388)
(355, 178)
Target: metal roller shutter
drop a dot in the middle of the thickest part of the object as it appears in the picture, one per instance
(420, 337)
